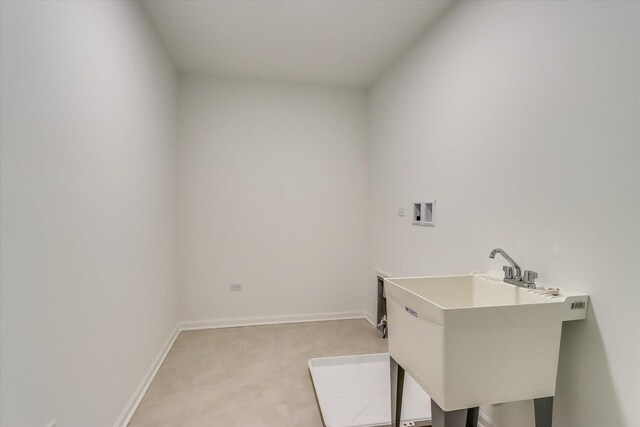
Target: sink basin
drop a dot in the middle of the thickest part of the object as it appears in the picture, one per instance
(474, 340)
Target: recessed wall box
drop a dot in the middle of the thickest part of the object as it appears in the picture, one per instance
(429, 213)
(417, 213)
(424, 213)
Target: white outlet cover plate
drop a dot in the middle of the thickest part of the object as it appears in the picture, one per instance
(235, 287)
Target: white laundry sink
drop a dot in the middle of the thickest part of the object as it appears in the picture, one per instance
(474, 340)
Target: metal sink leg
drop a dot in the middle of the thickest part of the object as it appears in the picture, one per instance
(544, 411)
(397, 386)
(442, 418)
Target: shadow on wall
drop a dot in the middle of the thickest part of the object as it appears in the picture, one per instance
(584, 376)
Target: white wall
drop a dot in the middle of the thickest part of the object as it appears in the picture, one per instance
(88, 220)
(521, 119)
(273, 195)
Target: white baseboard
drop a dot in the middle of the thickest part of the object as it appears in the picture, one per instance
(270, 320)
(132, 405)
(135, 400)
(371, 318)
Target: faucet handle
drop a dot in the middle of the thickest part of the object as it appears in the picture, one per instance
(508, 272)
(529, 277)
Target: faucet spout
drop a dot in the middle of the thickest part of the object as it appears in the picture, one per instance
(515, 265)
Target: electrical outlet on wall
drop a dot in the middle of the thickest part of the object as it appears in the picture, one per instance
(235, 287)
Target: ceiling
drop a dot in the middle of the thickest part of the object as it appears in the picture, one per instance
(323, 41)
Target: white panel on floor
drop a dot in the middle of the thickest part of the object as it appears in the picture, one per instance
(354, 391)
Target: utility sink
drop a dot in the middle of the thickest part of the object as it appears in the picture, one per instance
(475, 340)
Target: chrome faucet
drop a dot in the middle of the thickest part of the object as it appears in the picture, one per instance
(514, 273)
